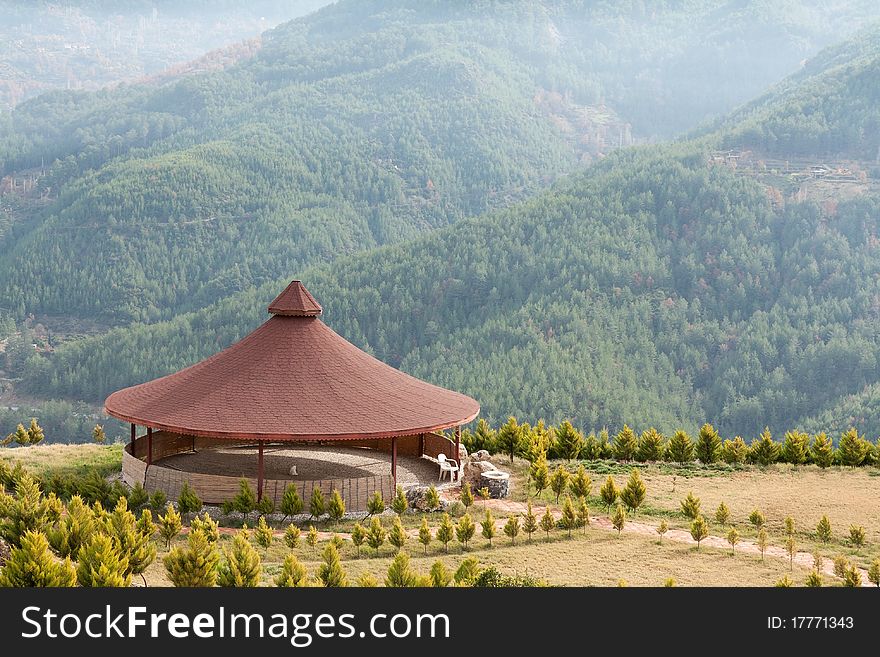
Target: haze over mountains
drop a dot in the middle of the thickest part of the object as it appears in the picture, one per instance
(393, 155)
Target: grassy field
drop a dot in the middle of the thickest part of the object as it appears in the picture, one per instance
(601, 558)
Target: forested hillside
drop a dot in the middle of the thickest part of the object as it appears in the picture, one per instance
(653, 287)
(361, 125)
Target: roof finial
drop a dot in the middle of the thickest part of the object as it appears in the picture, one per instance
(295, 301)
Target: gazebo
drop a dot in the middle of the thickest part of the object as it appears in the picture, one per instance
(292, 381)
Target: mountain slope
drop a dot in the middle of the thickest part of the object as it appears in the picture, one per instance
(361, 125)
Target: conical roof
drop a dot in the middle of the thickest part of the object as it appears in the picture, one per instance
(293, 378)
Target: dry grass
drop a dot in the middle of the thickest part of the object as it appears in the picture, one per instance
(66, 460)
(598, 558)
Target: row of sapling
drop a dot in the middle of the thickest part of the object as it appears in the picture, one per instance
(567, 443)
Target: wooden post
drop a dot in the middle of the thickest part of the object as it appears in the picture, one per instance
(421, 444)
(260, 473)
(133, 437)
(149, 445)
(457, 451)
(394, 460)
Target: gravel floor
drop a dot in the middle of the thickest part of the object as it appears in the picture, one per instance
(312, 463)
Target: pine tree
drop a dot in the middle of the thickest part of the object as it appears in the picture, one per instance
(208, 526)
(530, 522)
(483, 437)
(194, 566)
(548, 523)
(318, 504)
(734, 452)
(784, 583)
(312, 537)
(488, 525)
(292, 534)
(680, 448)
(291, 503)
(266, 506)
(609, 492)
(242, 567)
(464, 532)
(841, 563)
(375, 505)
(74, 529)
(857, 536)
(699, 529)
(32, 564)
(569, 441)
(822, 451)
(757, 519)
(330, 572)
(145, 525)
(733, 539)
(375, 534)
(467, 495)
(158, 500)
(399, 503)
(246, 500)
(35, 433)
(690, 506)
(169, 525)
(791, 550)
(263, 534)
(292, 574)
(814, 579)
(425, 534)
(580, 484)
(708, 446)
(651, 446)
(397, 536)
(20, 436)
(722, 514)
(137, 497)
(188, 502)
(795, 447)
(559, 481)
(509, 438)
(98, 435)
(583, 514)
(440, 575)
(467, 572)
(764, 450)
(101, 565)
(400, 574)
(852, 448)
(511, 527)
(669, 582)
(625, 444)
(367, 581)
(762, 542)
(27, 510)
(446, 531)
(789, 526)
(618, 518)
(432, 498)
(539, 473)
(874, 572)
(633, 494)
(852, 578)
(133, 546)
(336, 507)
(662, 528)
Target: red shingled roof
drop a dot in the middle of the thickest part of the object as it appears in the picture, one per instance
(293, 378)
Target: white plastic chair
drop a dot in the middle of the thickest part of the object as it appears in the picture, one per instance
(447, 465)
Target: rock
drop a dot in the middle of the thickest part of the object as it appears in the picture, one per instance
(462, 453)
(480, 455)
(473, 472)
